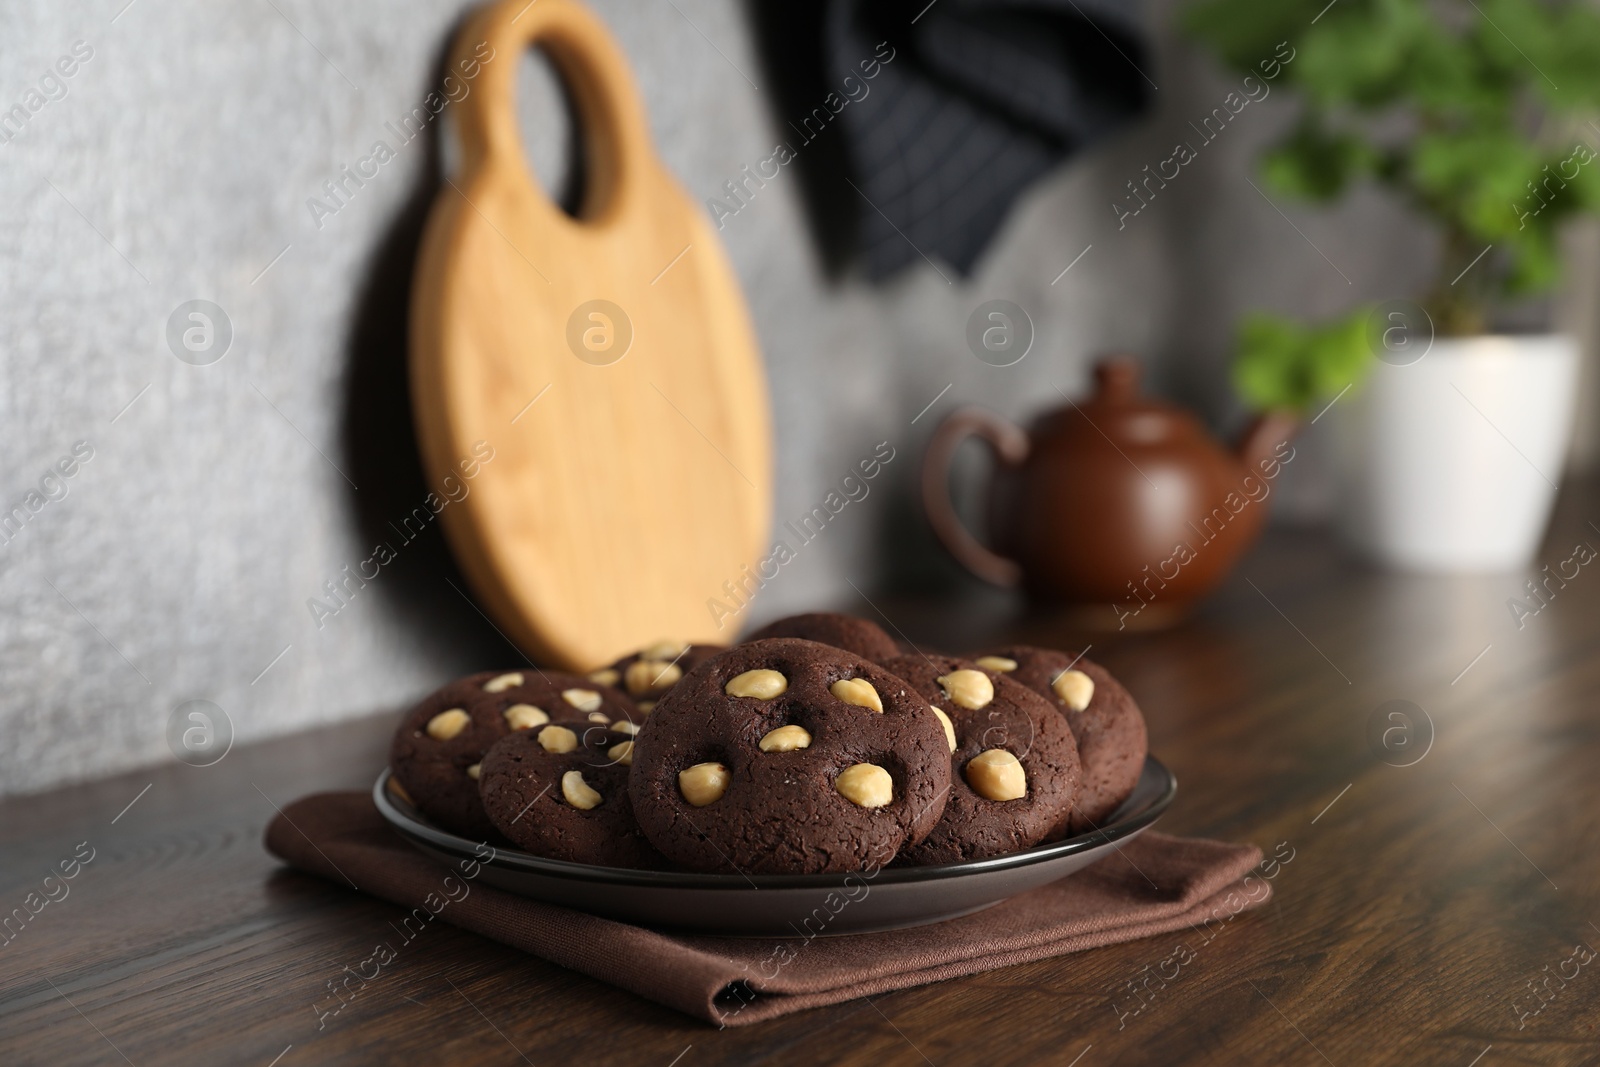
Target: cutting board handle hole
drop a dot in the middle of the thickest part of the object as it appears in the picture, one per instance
(555, 107)
(551, 132)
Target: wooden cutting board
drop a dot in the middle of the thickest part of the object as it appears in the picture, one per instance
(607, 360)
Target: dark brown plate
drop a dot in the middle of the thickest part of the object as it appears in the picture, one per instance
(778, 905)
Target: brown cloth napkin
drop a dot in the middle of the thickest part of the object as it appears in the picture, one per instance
(1158, 883)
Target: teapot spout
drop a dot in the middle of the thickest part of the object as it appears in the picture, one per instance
(1265, 437)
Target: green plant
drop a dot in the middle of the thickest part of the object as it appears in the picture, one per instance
(1282, 364)
(1469, 112)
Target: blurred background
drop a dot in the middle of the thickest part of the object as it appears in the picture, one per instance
(185, 157)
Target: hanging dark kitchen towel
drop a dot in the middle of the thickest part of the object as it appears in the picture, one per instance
(917, 124)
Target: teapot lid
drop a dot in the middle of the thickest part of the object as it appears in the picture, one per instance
(1116, 379)
(1121, 411)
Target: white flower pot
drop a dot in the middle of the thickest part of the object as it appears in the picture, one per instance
(1451, 463)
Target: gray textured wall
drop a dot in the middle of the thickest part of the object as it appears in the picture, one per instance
(177, 166)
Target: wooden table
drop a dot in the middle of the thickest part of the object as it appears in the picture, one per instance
(1417, 906)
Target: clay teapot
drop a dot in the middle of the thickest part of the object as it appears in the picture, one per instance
(1122, 505)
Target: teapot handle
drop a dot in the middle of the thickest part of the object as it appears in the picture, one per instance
(1010, 445)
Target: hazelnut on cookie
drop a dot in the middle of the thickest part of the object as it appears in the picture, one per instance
(1106, 722)
(1014, 762)
(648, 674)
(562, 792)
(437, 752)
(786, 756)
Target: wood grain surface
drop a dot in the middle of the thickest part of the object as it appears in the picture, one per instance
(606, 363)
(1413, 905)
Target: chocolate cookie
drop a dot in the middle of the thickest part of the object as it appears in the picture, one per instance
(1014, 770)
(1104, 718)
(865, 639)
(562, 792)
(786, 756)
(440, 743)
(647, 674)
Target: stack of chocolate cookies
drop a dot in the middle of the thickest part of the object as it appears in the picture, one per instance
(818, 744)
